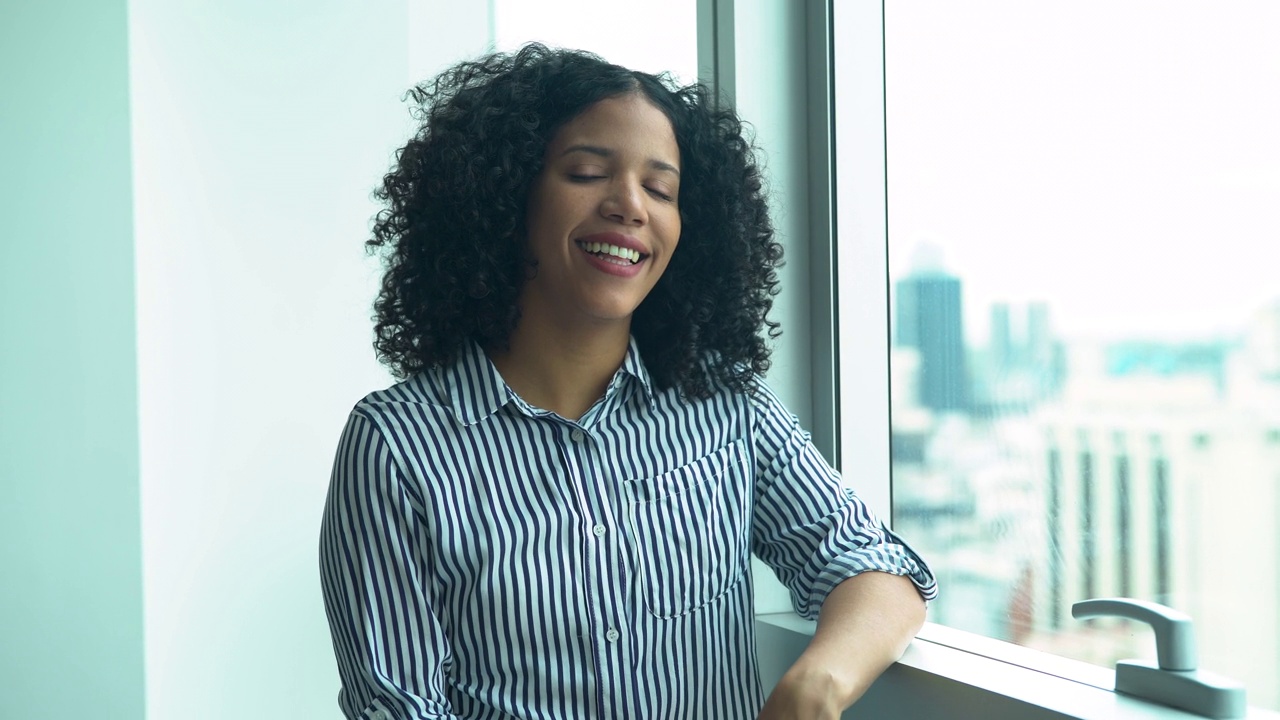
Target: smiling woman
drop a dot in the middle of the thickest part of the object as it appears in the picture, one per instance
(553, 514)
(456, 222)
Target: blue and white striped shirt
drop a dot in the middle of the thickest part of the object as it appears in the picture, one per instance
(483, 558)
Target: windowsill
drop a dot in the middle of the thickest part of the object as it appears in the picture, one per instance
(946, 671)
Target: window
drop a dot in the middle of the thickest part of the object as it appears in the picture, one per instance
(1056, 251)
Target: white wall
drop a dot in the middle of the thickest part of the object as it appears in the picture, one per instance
(70, 566)
(260, 129)
(259, 132)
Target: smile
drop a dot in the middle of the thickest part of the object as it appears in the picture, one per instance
(612, 253)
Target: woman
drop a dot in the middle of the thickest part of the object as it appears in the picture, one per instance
(552, 516)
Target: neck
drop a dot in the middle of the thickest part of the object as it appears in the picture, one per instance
(559, 370)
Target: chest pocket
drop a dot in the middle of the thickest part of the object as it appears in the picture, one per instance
(689, 531)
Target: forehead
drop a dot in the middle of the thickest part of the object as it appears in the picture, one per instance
(623, 124)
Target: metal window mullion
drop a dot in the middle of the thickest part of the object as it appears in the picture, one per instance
(862, 260)
(716, 62)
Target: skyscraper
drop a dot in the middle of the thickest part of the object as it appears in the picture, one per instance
(929, 320)
(1002, 355)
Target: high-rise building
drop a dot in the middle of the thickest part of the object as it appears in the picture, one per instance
(1161, 482)
(1040, 340)
(929, 320)
(1002, 344)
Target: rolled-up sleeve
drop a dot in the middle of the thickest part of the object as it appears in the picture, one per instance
(389, 645)
(810, 529)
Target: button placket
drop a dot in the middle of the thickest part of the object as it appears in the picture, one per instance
(596, 506)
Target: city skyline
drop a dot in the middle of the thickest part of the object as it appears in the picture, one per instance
(977, 317)
(1091, 469)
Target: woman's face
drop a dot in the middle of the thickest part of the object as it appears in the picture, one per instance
(603, 217)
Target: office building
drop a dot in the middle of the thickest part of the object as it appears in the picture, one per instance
(928, 319)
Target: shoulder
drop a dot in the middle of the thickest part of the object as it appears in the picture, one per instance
(409, 407)
(758, 397)
(416, 391)
(726, 399)
(399, 437)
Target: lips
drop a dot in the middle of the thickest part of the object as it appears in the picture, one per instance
(613, 253)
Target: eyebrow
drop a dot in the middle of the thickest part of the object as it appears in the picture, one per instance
(607, 153)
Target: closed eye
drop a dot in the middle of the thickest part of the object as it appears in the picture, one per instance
(660, 195)
(584, 178)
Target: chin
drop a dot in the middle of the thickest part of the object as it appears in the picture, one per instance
(612, 318)
(614, 314)
(612, 310)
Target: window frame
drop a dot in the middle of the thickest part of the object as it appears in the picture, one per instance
(959, 673)
(857, 248)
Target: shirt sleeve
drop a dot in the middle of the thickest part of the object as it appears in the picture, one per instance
(808, 527)
(390, 647)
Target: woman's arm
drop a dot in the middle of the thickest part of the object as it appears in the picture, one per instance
(866, 587)
(389, 645)
(864, 626)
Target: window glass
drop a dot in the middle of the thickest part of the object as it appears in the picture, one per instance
(656, 36)
(1084, 271)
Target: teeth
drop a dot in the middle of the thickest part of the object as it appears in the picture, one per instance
(612, 251)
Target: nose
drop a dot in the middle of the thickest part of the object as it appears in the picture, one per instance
(625, 203)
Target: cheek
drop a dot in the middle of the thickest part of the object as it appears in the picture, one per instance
(541, 225)
(541, 205)
(556, 213)
(666, 221)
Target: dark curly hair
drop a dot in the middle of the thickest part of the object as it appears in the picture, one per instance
(453, 230)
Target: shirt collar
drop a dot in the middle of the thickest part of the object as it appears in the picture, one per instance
(476, 389)
(634, 366)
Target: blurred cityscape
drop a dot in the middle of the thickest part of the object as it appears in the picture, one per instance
(1036, 470)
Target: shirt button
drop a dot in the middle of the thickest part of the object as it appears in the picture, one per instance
(612, 635)
(576, 435)
(598, 530)
(379, 715)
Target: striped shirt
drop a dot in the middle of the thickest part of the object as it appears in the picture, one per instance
(484, 558)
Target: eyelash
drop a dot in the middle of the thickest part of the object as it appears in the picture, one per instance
(587, 178)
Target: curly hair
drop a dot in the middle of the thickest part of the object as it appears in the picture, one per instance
(453, 229)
